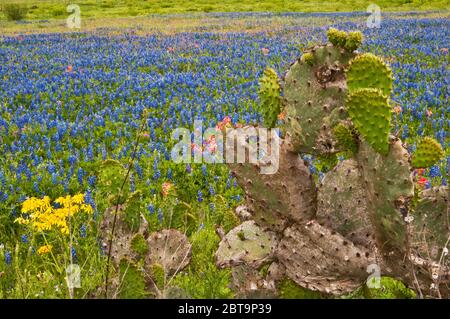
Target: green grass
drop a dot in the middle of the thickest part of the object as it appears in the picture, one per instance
(56, 9)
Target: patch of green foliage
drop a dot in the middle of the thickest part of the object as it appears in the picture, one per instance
(290, 290)
(132, 281)
(48, 9)
(390, 288)
(202, 278)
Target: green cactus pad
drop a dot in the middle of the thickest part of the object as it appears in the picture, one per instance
(308, 58)
(314, 98)
(269, 94)
(427, 153)
(246, 243)
(345, 136)
(354, 40)
(336, 37)
(371, 114)
(369, 71)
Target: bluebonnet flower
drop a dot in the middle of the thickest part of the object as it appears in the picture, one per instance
(151, 209)
(74, 254)
(435, 171)
(83, 231)
(199, 196)
(24, 238)
(80, 175)
(8, 257)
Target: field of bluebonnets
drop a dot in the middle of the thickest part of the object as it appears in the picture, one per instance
(71, 102)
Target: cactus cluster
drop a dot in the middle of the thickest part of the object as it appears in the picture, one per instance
(366, 210)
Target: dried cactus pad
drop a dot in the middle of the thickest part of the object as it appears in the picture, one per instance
(427, 153)
(342, 204)
(123, 237)
(246, 243)
(274, 199)
(430, 224)
(369, 71)
(320, 259)
(370, 112)
(169, 248)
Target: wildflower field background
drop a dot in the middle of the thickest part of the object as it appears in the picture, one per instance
(77, 105)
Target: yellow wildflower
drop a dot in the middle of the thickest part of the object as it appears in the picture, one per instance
(40, 214)
(44, 249)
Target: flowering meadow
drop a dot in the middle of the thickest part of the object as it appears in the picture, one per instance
(80, 107)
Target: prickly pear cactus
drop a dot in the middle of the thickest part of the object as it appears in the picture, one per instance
(427, 153)
(170, 249)
(248, 282)
(246, 243)
(269, 95)
(364, 212)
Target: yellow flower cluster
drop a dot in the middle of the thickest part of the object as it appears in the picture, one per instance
(42, 216)
(44, 249)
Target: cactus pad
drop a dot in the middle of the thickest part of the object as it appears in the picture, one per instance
(369, 71)
(371, 114)
(354, 40)
(246, 243)
(269, 95)
(321, 260)
(125, 241)
(313, 99)
(346, 138)
(342, 205)
(273, 200)
(389, 188)
(170, 249)
(431, 222)
(427, 153)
